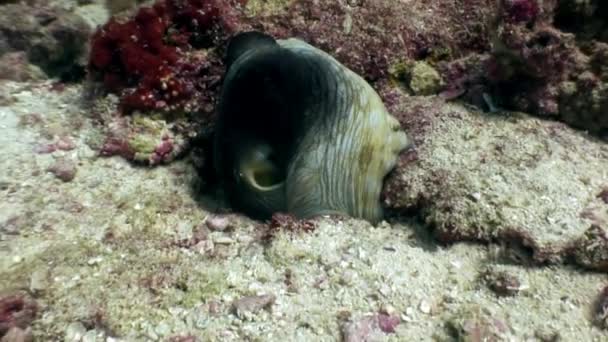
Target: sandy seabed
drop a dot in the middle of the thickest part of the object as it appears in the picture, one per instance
(109, 251)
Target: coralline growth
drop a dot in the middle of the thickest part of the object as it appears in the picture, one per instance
(158, 59)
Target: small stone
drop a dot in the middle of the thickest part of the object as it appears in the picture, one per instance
(601, 309)
(16, 334)
(93, 336)
(63, 169)
(476, 196)
(162, 329)
(251, 304)
(75, 332)
(388, 323)
(369, 327)
(94, 261)
(218, 223)
(388, 309)
(65, 144)
(347, 24)
(425, 80)
(204, 247)
(16, 67)
(547, 335)
(222, 240)
(425, 307)
(39, 280)
(503, 283)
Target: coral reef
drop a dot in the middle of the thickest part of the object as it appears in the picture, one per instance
(547, 59)
(499, 178)
(176, 67)
(53, 39)
(419, 30)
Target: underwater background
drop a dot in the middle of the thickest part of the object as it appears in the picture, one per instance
(495, 224)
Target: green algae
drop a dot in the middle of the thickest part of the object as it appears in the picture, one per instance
(418, 77)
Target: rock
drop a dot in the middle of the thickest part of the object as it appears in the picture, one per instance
(64, 170)
(424, 79)
(601, 310)
(249, 305)
(591, 250)
(16, 310)
(533, 179)
(39, 280)
(93, 336)
(16, 334)
(52, 38)
(369, 328)
(502, 283)
(15, 66)
(475, 324)
(219, 223)
(75, 332)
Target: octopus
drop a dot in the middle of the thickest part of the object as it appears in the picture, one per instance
(298, 132)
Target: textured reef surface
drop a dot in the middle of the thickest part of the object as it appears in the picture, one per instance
(497, 218)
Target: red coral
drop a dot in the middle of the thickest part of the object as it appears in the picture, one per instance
(150, 58)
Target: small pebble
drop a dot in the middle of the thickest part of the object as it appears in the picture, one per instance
(39, 280)
(425, 307)
(75, 332)
(204, 247)
(222, 240)
(218, 223)
(93, 336)
(247, 305)
(64, 170)
(94, 261)
(16, 334)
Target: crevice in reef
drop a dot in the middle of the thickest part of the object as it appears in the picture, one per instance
(586, 19)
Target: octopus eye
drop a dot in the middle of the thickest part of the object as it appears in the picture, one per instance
(265, 176)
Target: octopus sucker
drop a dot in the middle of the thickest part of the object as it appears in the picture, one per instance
(299, 132)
